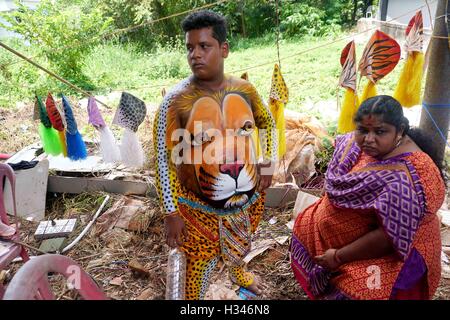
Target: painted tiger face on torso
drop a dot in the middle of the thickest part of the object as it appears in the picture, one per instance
(217, 148)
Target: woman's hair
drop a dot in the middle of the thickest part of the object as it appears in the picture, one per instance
(391, 112)
(204, 19)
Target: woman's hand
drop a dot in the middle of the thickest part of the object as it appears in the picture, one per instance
(329, 260)
(175, 230)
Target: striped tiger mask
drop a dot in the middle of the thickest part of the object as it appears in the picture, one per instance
(217, 151)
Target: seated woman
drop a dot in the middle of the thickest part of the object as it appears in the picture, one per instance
(375, 234)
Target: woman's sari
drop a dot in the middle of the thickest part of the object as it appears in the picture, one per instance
(402, 195)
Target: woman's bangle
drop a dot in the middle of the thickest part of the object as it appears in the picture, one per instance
(336, 258)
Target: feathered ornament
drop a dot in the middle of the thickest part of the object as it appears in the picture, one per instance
(57, 121)
(380, 56)
(108, 144)
(347, 80)
(49, 136)
(129, 115)
(76, 148)
(279, 96)
(408, 87)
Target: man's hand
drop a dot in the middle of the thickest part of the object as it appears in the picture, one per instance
(265, 170)
(175, 231)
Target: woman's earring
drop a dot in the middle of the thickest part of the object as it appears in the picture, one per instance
(398, 142)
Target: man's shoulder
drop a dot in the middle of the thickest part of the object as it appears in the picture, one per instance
(177, 90)
(236, 81)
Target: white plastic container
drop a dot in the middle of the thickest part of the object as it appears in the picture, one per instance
(176, 275)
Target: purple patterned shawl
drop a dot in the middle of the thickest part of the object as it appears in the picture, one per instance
(389, 187)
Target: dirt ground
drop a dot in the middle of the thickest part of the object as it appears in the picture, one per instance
(107, 257)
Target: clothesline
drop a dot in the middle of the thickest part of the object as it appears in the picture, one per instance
(54, 75)
(271, 62)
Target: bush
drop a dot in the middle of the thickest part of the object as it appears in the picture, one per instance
(299, 20)
(56, 32)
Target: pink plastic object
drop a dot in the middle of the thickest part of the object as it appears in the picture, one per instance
(13, 250)
(4, 156)
(31, 281)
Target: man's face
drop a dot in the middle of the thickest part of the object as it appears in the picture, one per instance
(205, 54)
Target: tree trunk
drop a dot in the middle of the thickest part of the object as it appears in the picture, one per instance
(355, 8)
(435, 117)
(241, 7)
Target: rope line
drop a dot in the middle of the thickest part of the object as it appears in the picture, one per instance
(425, 107)
(328, 43)
(54, 75)
(86, 93)
(278, 32)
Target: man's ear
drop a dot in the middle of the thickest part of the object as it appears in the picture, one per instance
(225, 49)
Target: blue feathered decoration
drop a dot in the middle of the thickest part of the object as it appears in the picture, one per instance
(76, 148)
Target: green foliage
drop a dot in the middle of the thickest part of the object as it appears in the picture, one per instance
(299, 19)
(62, 35)
(324, 155)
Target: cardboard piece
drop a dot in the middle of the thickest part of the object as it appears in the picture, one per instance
(280, 196)
(31, 189)
(303, 201)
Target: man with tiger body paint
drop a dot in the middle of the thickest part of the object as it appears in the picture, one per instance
(213, 202)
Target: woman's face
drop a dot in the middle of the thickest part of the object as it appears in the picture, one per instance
(375, 137)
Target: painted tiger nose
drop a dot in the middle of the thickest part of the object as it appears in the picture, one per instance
(231, 169)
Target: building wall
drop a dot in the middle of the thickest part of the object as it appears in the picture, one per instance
(396, 8)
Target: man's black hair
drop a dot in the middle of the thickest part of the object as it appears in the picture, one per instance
(204, 19)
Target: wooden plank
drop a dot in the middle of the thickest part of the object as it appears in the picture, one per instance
(278, 197)
(60, 184)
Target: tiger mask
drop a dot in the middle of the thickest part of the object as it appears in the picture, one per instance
(217, 151)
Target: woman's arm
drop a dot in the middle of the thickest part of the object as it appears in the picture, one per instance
(372, 245)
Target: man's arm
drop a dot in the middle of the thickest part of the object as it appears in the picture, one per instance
(167, 183)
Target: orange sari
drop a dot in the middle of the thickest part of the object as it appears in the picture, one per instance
(323, 226)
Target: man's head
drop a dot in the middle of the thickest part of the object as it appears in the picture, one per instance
(205, 36)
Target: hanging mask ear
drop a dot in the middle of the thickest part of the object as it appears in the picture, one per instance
(279, 96)
(379, 58)
(108, 145)
(57, 121)
(409, 85)
(95, 117)
(76, 148)
(278, 89)
(347, 80)
(130, 113)
(244, 76)
(43, 116)
(49, 136)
